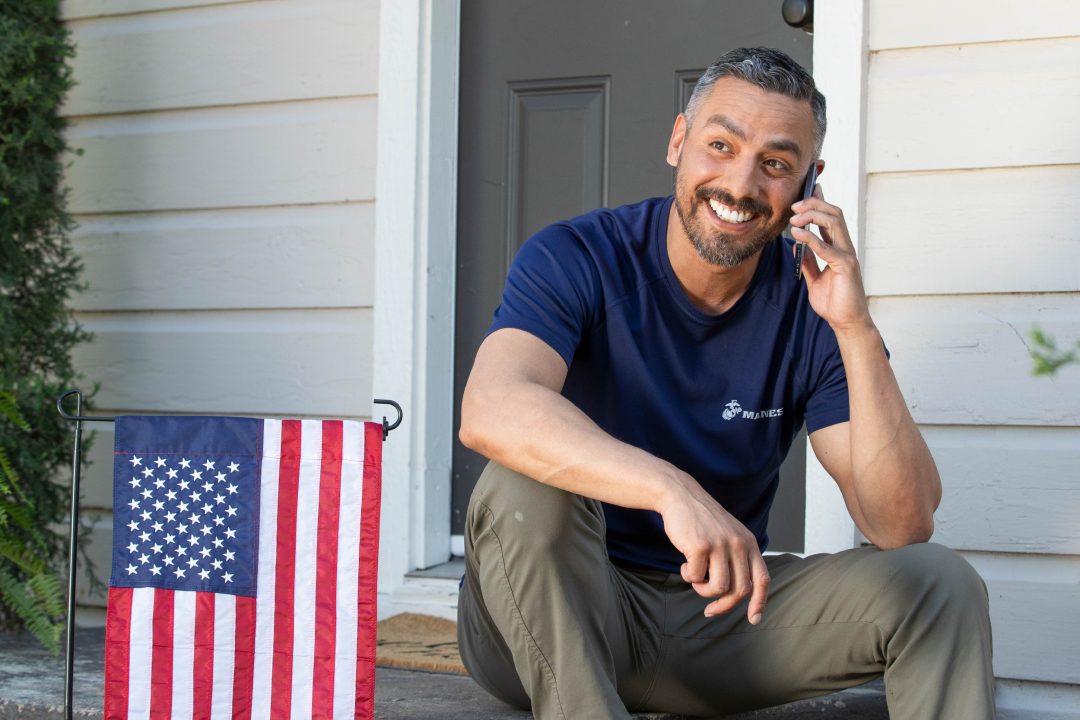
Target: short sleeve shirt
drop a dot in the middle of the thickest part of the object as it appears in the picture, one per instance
(719, 396)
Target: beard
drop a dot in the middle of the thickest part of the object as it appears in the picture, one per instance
(716, 247)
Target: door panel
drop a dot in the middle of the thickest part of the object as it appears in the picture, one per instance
(565, 106)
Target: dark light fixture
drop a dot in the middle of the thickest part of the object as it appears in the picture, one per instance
(799, 14)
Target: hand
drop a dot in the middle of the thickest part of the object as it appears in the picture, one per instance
(836, 293)
(722, 556)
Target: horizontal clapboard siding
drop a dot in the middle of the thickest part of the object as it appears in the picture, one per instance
(230, 55)
(276, 257)
(75, 9)
(972, 179)
(1033, 602)
(315, 362)
(964, 359)
(1008, 489)
(295, 153)
(917, 23)
(973, 231)
(974, 106)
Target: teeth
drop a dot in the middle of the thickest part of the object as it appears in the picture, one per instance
(727, 214)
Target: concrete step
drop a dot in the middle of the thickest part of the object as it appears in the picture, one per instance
(32, 688)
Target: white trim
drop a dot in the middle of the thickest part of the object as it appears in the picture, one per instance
(840, 65)
(415, 229)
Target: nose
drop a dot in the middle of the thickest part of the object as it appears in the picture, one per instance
(741, 178)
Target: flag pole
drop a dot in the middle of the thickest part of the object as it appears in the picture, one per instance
(76, 477)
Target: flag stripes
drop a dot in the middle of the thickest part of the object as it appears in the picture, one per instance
(303, 647)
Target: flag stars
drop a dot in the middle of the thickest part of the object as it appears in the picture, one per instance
(170, 517)
(132, 547)
(216, 564)
(230, 533)
(181, 528)
(206, 530)
(192, 562)
(135, 461)
(181, 550)
(184, 484)
(171, 495)
(227, 577)
(160, 462)
(133, 525)
(147, 494)
(135, 482)
(209, 464)
(158, 505)
(132, 569)
(156, 548)
(231, 511)
(157, 526)
(218, 542)
(171, 472)
(220, 477)
(159, 483)
(195, 497)
(155, 570)
(180, 572)
(134, 504)
(232, 489)
(168, 560)
(145, 515)
(182, 506)
(194, 519)
(218, 520)
(147, 472)
(233, 467)
(193, 540)
(219, 499)
(230, 555)
(204, 574)
(205, 552)
(185, 463)
(170, 538)
(206, 508)
(207, 486)
(143, 559)
(144, 536)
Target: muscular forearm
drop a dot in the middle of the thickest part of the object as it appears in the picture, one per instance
(894, 478)
(537, 432)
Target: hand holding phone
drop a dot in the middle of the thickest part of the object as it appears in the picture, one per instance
(808, 190)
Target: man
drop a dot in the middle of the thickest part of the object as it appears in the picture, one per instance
(641, 384)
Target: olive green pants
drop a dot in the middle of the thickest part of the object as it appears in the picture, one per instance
(546, 621)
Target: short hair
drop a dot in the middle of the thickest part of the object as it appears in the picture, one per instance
(772, 71)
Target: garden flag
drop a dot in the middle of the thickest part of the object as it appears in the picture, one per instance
(244, 568)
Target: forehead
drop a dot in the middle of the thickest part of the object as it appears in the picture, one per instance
(763, 116)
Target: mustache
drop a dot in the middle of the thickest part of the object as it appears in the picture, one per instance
(743, 204)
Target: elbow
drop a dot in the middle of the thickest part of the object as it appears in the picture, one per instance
(912, 532)
(472, 432)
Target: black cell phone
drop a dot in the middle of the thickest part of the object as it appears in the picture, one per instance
(807, 191)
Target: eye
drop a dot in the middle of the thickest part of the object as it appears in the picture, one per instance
(778, 165)
(719, 145)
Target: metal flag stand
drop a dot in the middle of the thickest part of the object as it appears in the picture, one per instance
(76, 475)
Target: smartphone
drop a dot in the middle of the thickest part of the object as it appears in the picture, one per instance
(807, 191)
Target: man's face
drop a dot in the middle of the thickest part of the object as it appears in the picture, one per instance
(739, 167)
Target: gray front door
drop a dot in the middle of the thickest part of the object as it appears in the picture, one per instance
(566, 106)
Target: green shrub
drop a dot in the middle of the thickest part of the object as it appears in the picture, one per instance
(38, 273)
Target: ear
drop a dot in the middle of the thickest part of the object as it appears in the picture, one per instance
(678, 135)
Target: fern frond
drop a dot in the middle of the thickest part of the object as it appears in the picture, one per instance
(22, 599)
(10, 410)
(21, 556)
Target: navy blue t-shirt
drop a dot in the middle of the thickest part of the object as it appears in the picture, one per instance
(719, 396)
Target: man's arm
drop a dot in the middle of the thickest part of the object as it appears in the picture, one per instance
(513, 413)
(879, 458)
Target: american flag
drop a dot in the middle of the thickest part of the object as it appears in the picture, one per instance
(244, 568)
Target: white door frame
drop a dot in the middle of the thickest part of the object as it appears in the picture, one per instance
(415, 229)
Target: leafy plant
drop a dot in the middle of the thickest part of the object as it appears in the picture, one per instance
(38, 273)
(1046, 355)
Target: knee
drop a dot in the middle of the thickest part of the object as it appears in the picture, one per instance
(526, 512)
(932, 577)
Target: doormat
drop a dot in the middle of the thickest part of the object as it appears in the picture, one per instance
(418, 642)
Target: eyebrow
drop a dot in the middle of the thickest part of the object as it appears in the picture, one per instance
(776, 144)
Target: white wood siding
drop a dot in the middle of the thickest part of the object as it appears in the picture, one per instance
(225, 200)
(972, 189)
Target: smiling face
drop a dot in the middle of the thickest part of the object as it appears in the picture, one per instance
(740, 164)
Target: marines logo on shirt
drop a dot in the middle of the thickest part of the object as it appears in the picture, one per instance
(733, 409)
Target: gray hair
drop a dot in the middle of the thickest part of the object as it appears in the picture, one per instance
(770, 70)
